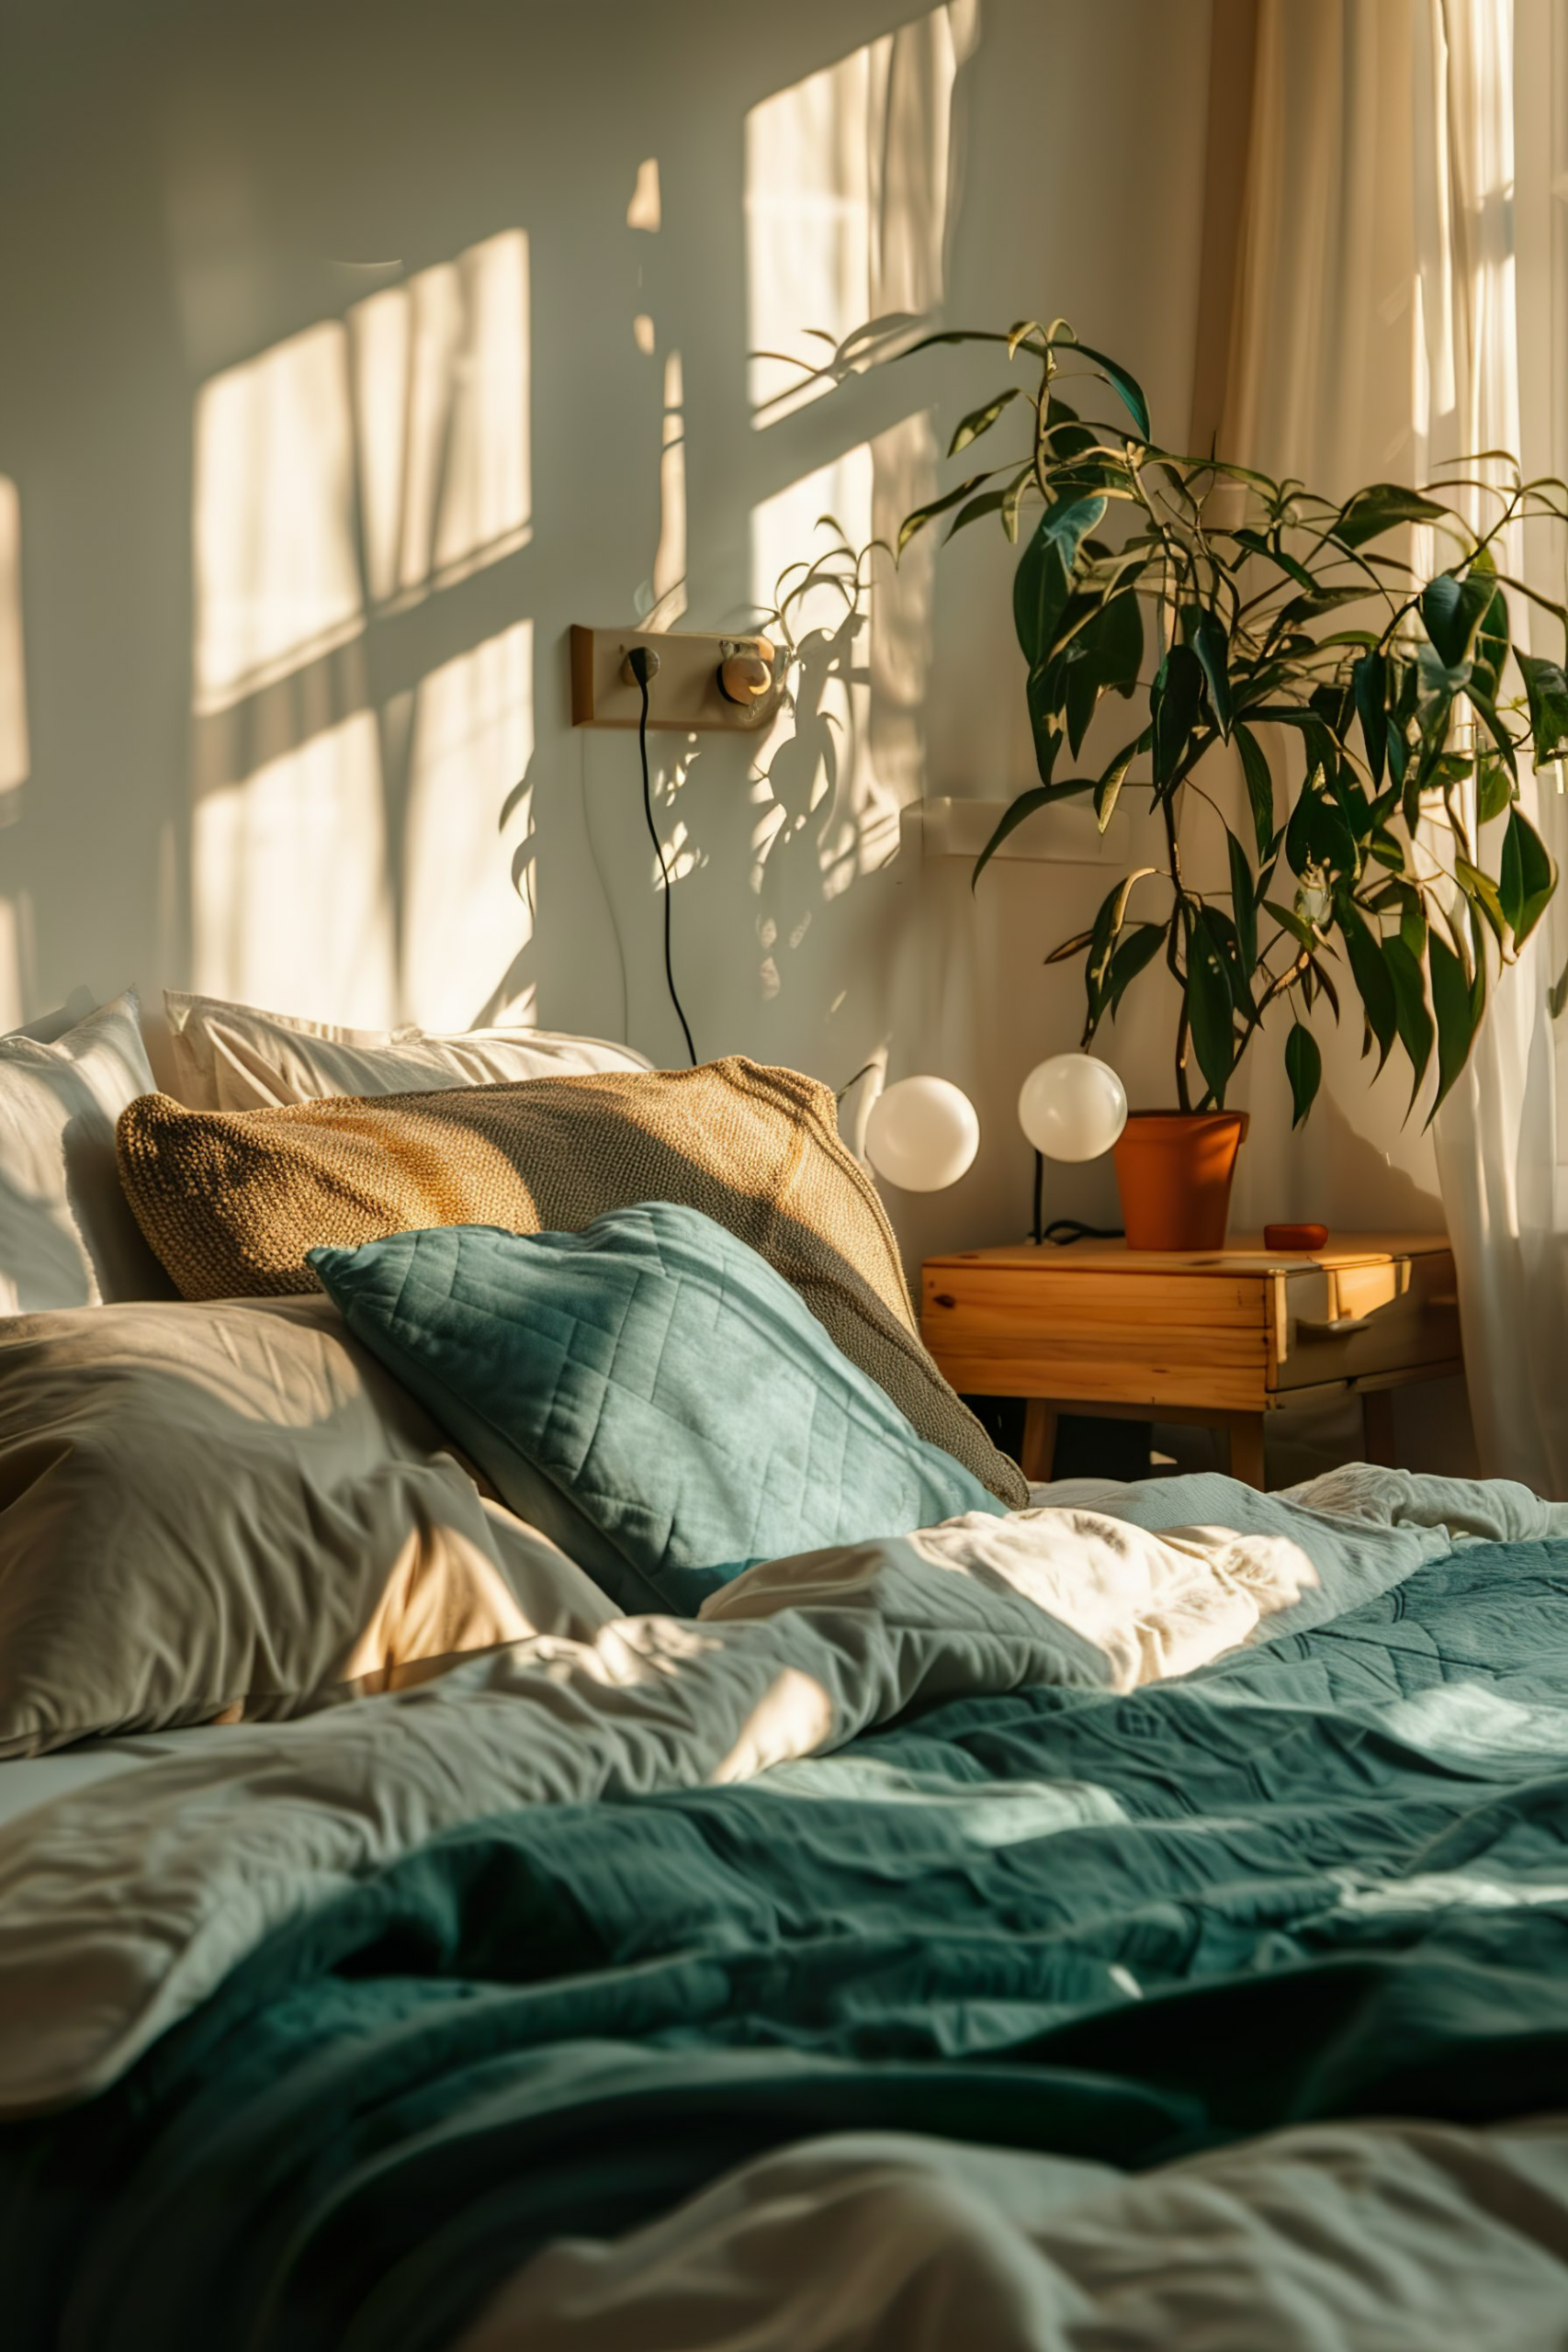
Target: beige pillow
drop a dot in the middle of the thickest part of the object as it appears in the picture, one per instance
(67, 1238)
(232, 1202)
(233, 1512)
(233, 1058)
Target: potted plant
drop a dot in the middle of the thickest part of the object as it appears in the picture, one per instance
(1379, 713)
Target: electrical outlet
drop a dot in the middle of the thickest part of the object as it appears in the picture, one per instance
(684, 696)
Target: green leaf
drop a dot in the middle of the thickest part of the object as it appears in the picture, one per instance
(1323, 979)
(1138, 947)
(1370, 975)
(980, 420)
(1546, 688)
(1377, 508)
(1012, 499)
(1042, 695)
(1289, 920)
(991, 502)
(1491, 639)
(1493, 791)
(1482, 894)
(1452, 609)
(1039, 796)
(1118, 642)
(921, 515)
(1174, 698)
(1079, 696)
(1042, 583)
(1304, 1068)
(1492, 717)
(1320, 601)
(1205, 633)
(1210, 1007)
(1318, 835)
(1413, 920)
(1244, 906)
(1259, 788)
(1256, 544)
(1070, 947)
(1108, 790)
(1107, 924)
(1370, 681)
(1526, 876)
(1412, 1018)
(1333, 701)
(1222, 932)
(1455, 1013)
(1106, 655)
(1128, 387)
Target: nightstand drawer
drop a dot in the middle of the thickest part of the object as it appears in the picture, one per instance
(1040, 1329)
(1358, 1320)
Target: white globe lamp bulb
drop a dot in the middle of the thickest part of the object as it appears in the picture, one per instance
(922, 1134)
(1072, 1107)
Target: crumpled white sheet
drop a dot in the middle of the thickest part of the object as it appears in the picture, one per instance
(1363, 1528)
(1345, 2238)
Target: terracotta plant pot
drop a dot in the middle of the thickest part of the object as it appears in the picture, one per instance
(1174, 1171)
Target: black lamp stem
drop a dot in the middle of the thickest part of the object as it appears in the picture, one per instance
(1039, 1197)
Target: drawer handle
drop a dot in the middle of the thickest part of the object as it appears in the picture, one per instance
(942, 1299)
(1341, 1327)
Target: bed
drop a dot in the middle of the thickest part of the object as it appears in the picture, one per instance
(1122, 1916)
(565, 2001)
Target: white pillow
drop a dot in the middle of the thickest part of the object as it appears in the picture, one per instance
(67, 1235)
(232, 1510)
(233, 1058)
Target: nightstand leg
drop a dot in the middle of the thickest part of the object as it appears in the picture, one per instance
(1377, 1425)
(1246, 1448)
(1038, 1439)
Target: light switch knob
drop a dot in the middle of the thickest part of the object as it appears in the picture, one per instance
(745, 673)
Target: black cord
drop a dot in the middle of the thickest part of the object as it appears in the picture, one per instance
(864, 1071)
(664, 868)
(1063, 1230)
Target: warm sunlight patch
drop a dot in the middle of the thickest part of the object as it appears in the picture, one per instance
(848, 184)
(276, 576)
(466, 916)
(290, 907)
(441, 384)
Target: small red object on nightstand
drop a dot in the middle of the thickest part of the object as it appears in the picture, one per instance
(1295, 1237)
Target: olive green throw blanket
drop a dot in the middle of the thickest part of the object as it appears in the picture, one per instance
(1321, 1878)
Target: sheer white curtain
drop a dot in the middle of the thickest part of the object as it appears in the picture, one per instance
(1400, 303)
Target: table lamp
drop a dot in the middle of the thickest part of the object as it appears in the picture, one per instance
(922, 1134)
(1072, 1107)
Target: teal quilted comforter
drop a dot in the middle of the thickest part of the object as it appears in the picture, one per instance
(1325, 1878)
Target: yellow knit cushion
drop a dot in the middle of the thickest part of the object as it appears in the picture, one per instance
(231, 1201)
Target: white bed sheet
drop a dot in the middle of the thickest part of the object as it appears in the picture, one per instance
(29, 1783)
(1343, 2237)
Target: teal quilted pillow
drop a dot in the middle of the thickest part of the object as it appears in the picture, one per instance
(650, 1391)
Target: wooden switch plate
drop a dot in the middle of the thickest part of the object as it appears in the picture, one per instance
(684, 696)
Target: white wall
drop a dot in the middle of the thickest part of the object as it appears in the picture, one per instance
(321, 393)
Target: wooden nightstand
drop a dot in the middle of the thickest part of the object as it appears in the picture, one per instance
(1221, 1339)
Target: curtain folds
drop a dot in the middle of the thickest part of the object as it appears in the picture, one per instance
(1399, 305)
